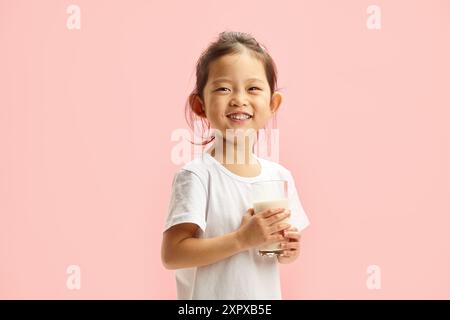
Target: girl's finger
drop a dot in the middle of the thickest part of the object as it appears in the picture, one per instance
(292, 235)
(290, 246)
(286, 253)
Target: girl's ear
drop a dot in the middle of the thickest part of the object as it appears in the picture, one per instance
(197, 105)
(275, 101)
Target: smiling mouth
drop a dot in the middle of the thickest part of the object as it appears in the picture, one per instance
(239, 116)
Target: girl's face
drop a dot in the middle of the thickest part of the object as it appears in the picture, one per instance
(237, 94)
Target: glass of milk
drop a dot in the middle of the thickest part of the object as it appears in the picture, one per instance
(271, 194)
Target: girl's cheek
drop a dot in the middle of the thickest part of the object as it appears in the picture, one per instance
(215, 103)
(262, 101)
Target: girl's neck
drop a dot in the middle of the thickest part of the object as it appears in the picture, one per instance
(230, 153)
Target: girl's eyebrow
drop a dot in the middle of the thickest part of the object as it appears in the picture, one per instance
(228, 80)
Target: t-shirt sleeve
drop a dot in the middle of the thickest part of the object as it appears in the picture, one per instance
(188, 200)
(298, 218)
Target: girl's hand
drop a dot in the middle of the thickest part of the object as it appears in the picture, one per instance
(262, 228)
(291, 245)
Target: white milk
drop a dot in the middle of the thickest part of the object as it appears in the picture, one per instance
(271, 204)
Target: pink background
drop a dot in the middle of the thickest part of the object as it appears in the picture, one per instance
(86, 117)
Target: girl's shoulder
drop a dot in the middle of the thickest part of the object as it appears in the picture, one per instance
(200, 166)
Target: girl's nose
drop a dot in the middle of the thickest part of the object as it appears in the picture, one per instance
(238, 100)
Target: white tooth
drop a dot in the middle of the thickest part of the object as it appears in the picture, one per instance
(240, 116)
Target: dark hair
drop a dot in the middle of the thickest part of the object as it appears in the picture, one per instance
(227, 43)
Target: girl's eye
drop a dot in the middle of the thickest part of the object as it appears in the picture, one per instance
(222, 89)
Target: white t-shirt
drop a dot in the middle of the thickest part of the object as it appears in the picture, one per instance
(207, 194)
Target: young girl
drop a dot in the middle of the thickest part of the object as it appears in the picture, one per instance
(212, 234)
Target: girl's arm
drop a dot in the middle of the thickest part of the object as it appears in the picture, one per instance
(181, 249)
